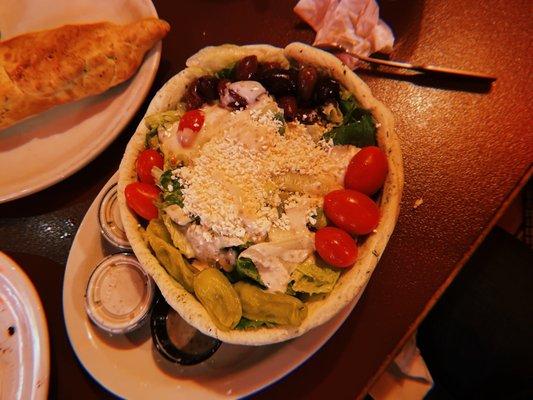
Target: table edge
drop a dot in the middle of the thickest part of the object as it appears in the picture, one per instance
(527, 174)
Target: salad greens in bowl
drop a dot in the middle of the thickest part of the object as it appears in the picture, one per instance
(260, 190)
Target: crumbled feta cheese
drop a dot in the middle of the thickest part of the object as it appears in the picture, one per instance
(232, 184)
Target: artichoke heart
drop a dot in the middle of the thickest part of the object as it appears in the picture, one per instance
(278, 308)
(218, 297)
(170, 257)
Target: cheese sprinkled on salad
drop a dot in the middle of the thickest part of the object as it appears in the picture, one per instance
(240, 182)
(236, 183)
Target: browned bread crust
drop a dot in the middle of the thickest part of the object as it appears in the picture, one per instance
(43, 69)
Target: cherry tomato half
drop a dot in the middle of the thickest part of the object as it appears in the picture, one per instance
(352, 211)
(148, 159)
(336, 247)
(140, 198)
(367, 170)
(193, 120)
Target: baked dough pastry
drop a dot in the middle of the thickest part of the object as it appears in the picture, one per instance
(40, 70)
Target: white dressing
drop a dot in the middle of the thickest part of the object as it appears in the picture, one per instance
(275, 261)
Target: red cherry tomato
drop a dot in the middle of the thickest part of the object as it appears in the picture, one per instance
(367, 170)
(352, 211)
(194, 120)
(148, 159)
(336, 247)
(140, 198)
(190, 124)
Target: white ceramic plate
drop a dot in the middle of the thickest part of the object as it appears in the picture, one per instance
(130, 367)
(51, 146)
(24, 348)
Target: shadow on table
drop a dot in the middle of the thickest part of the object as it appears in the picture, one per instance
(477, 341)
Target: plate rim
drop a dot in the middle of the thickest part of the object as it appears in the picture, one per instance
(140, 96)
(332, 326)
(35, 313)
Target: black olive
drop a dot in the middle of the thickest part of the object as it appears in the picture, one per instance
(221, 86)
(280, 82)
(191, 98)
(246, 68)
(206, 87)
(307, 116)
(266, 66)
(326, 89)
(289, 105)
(307, 77)
(238, 102)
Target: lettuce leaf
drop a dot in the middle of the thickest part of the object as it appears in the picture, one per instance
(151, 141)
(171, 189)
(357, 128)
(179, 240)
(245, 324)
(358, 133)
(226, 73)
(312, 279)
(245, 268)
(154, 121)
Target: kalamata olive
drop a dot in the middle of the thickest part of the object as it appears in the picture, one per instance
(307, 77)
(289, 105)
(221, 86)
(246, 68)
(307, 116)
(269, 65)
(280, 82)
(192, 99)
(238, 102)
(206, 87)
(266, 66)
(326, 89)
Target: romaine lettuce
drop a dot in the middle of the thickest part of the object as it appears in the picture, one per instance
(312, 279)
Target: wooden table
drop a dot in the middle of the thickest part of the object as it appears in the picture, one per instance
(467, 151)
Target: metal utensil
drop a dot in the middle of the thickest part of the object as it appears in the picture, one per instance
(428, 68)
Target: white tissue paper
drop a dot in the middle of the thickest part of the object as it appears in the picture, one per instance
(407, 378)
(352, 25)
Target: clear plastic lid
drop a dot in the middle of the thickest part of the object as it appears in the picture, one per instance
(119, 294)
(110, 221)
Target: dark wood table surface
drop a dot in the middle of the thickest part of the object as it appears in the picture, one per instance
(467, 150)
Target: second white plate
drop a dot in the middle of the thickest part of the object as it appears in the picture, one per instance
(24, 348)
(51, 146)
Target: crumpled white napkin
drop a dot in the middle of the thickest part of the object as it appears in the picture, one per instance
(407, 378)
(352, 25)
